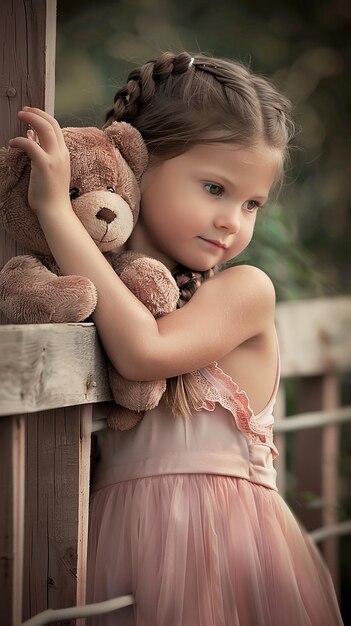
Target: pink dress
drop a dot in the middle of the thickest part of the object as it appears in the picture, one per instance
(185, 515)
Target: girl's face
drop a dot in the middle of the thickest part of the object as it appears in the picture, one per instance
(199, 209)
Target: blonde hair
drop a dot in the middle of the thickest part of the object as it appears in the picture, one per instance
(175, 100)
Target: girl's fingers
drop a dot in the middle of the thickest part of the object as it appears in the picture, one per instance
(31, 134)
(46, 116)
(31, 147)
(46, 127)
(50, 163)
(43, 129)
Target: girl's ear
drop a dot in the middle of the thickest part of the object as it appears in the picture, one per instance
(130, 143)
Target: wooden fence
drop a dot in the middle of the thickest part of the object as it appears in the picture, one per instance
(51, 378)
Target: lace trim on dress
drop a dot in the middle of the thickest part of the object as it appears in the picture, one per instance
(233, 399)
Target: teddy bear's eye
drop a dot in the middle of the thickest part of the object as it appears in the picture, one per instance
(111, 189)
(73, 193)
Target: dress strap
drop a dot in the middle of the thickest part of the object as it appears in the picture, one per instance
(220, 388)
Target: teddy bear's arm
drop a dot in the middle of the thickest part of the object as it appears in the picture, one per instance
(153, 284)
(32, 294)
(149, 280)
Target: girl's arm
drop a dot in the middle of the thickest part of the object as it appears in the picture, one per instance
(226, 311)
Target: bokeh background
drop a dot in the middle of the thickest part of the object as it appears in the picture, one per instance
(303, 240)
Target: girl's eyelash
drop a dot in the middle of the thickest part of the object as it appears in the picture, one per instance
(218, 190)
(257, 205)
(215, 187)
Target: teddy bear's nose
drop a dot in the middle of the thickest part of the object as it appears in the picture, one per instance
(106, 215)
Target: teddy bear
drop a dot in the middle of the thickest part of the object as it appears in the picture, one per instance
(106, 167)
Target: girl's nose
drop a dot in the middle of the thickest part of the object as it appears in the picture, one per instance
(229, 221)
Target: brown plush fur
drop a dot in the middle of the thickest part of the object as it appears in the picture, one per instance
(106, 167)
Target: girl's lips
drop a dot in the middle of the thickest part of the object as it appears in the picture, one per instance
(218, 244)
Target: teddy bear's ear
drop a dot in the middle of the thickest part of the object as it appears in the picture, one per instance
(130, 143)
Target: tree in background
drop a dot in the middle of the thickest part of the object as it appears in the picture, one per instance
(303, 240)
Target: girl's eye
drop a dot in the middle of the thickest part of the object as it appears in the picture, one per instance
(111, 189)
(73, 193)
(251, 205)
(213, 189)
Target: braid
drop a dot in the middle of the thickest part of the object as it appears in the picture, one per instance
(188, 282)
(142, 83)
(238, 82)
(183, 393)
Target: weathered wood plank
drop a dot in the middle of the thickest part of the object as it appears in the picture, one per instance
(18, 486)
(7, 540)
(50, 365)
(314, 336)
(329, 471)
(55, 487)
(27, 55)
(27, 75)
(50, 56)
(86, 416)
(12, 489)
(280, 440)
(307, 457)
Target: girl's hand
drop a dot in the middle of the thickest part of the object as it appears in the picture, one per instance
(50, 174)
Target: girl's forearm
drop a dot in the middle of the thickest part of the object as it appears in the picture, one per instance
(126, 327)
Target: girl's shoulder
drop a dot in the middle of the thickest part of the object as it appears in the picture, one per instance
(251, 272)
(240, 297)
(244, 280)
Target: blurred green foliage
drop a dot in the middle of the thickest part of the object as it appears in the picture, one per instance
(304, 241)
(275, 249)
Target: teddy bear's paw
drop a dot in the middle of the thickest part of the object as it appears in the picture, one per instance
(32, 294)
(135, 395)
(120, 418)
(72, 298)
(153, 284)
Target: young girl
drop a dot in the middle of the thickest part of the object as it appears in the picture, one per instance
(185, 513)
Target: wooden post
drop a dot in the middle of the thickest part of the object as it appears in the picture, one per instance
(280, 440)
(27, 69)
(330, 453)
(27, 49)
(57, 478)
(53, 510)
(307, 454)
(27, 72)
(11, 518)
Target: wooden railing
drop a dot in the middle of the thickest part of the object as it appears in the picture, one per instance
(51, 377)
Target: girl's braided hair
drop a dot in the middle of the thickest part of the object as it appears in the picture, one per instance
(177, 101)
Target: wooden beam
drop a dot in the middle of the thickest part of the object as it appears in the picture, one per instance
(45, 366)
(314, 336)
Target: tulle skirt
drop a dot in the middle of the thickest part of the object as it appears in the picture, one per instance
(204, 550)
